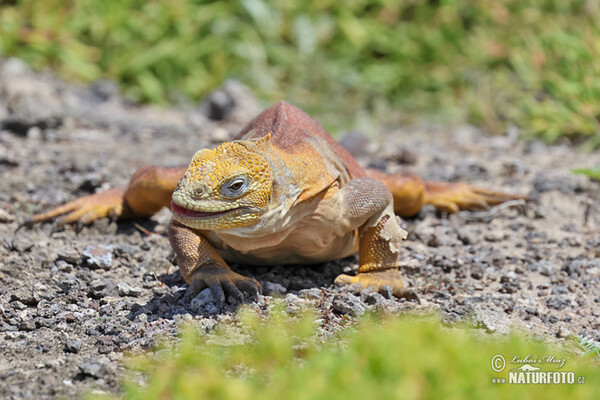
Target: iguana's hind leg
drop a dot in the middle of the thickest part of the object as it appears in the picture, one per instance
(149, 190)
(452, 197)
(410, 193)
(368, 205)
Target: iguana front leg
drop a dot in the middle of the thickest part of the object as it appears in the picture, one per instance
(148, 191)
(201, 266)
(368, 205)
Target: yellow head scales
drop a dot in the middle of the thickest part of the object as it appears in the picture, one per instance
(204, 187)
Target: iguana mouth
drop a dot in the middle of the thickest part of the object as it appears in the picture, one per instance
(187, 213)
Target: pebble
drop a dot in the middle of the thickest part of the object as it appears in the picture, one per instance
(563, 333)
(125, 290)
(293, 303)
(202, 299)
(347, 303)
(92, 368)
(69, 254)
(310, 294)
(72, 346)
(558, 302)
(98, 256)
(547, 268)
(560, 289)
(5, 216)
(273, 288)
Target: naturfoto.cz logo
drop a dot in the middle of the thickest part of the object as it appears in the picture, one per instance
(529, 373)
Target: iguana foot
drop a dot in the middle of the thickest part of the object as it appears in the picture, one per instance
(452, 197)
(383, 281)
(84, 210)
(221, 281)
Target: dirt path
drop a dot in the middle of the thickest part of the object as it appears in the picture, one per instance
(72, 305)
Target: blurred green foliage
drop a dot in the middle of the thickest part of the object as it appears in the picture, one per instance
(395, 358)
(532, 63)
(593, 173)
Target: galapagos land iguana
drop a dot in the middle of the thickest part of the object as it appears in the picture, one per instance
(283, 192)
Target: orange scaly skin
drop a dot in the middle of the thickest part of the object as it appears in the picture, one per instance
(284, 192)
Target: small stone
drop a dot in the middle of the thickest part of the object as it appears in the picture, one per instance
(563, 333)
(494, 236)
(27, 326)
(5, 216)
(72, 346)
(477, 272)
(273, 288)
(560, 289)
(69, 254)
(93, 368)
(218, 105)
(310, 294)
(547, 268)
(26, 296)
(98, 256)
(203, 298)
(347, 303)
(293, 303)
(558, 302)
(375, 299)
(125, 290)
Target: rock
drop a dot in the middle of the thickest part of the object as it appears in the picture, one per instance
(563, 333)
(565, 182)
(125, 290)
(347, 303)
(560, 289)
(26, 296)
(218, 105)
(477, 272)
(547, 268)
(558, 302)
(72, 346)
(103, 90)
(5, 216)
(98, 256)
(203, 298)
(293, 303)
(375, 299)
(92, 368)
(69, 254)
(273, 288)
(310, 294)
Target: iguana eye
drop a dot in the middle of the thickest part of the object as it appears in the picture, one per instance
(235, 187)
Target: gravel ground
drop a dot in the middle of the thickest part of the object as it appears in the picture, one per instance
(73, 305)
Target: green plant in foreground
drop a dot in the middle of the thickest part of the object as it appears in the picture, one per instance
(391, 358)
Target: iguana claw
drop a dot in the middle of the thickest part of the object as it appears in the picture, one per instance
(384, 282)
(222, 281)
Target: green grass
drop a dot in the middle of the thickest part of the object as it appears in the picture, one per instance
(530, 63)
(385, 358)
(593, 173)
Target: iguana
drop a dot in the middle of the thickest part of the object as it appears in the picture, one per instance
(283, 192)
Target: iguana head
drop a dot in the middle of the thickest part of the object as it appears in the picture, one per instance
(227, 187)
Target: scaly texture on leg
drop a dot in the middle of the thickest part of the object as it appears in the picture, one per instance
(202, 267)
(149, 190)
(367, 202)
(411, 193)
(85, 209)
(452, 197)
(408, 190)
